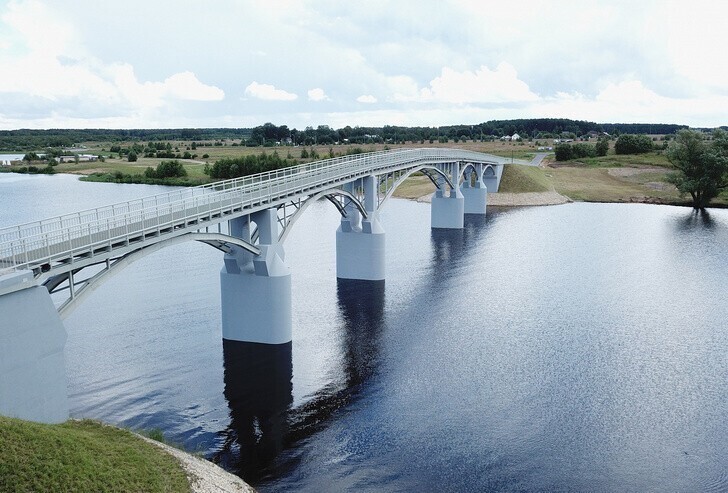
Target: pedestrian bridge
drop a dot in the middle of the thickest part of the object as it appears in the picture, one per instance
(47, 267)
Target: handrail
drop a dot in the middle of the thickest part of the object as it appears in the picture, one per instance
(105, 224)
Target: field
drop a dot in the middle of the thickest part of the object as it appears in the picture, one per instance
(611, 178)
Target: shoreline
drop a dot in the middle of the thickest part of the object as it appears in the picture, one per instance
(525, 199)
(203, 475)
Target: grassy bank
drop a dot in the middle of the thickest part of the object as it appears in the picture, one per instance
(83, 456)
(523, 179)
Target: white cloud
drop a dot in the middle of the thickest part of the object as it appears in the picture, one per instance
(366, 98)
(88, 64)
(631, 101)
(185, 85)
(268, 92)
(182, 86)
(50, 67)
(501, 85)
(317, 94)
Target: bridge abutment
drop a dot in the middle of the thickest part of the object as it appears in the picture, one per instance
(256, 290)
(32, 361)
(360, 242)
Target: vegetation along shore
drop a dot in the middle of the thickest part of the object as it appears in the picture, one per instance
(584, 162)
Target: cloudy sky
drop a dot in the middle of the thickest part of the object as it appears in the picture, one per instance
(227, 63)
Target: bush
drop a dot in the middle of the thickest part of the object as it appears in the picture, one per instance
(132, 157)
(602, 147)
(170, 169)
(565, 152)
(247, 165)
(633, 144)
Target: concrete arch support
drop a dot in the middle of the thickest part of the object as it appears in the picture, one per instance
(475, 195)
(360, 241)
(256, 290)
(32, 361)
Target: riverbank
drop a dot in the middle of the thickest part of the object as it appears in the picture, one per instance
(203, 475)
(525, 199)
(90, 456)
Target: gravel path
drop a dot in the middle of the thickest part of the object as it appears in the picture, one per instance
(203, 475)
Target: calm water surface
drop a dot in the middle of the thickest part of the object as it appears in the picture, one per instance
(581, 347)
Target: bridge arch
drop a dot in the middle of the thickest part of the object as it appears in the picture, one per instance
(487, 170)
(55, 284)
(429, 170)
(332, 195)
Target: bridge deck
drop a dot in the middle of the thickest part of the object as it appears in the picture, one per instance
(58, 243)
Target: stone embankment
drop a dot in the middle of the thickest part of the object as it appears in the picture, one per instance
(203, 475)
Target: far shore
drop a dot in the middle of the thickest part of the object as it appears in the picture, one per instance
(525, 199)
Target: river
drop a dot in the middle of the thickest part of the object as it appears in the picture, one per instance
(580, 347)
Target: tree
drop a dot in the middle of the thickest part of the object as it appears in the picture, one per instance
(132, 157)
(701, 169)
(602, 147)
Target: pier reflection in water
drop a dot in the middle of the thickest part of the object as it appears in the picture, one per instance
(259, 389)
(259, 392)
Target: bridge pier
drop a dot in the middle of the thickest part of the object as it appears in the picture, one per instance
(446, 211)
(475, 195)
(256, 290)
(360, 242)
(32, 362)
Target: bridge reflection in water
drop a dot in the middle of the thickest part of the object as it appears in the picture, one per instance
(259, 388)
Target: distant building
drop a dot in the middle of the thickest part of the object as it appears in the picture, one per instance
(5, 162)
(82, 158)
(515, 137)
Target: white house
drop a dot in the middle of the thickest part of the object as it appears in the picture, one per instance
(5, 162)
(515, 137)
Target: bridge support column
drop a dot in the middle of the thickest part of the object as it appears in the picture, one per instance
(360, 242)
(446, 211)
(256, 290)
(476, 196)
(32, 363)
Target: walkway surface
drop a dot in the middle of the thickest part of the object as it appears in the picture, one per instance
(536, 161)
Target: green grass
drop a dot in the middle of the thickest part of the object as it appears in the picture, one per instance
(82, 456)
(622, 160)
(519, 178)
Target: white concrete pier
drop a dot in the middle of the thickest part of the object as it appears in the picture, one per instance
(360, 242)
(256, 290)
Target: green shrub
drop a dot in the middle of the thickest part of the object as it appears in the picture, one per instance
(633, 144)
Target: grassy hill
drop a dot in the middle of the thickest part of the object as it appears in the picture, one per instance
(82, 456)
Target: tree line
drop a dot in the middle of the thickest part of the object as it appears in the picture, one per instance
(269, 134)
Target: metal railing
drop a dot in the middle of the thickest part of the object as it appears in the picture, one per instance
(41, 242)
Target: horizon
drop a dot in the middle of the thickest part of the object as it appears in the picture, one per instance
(314, 126)
(415, 64)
